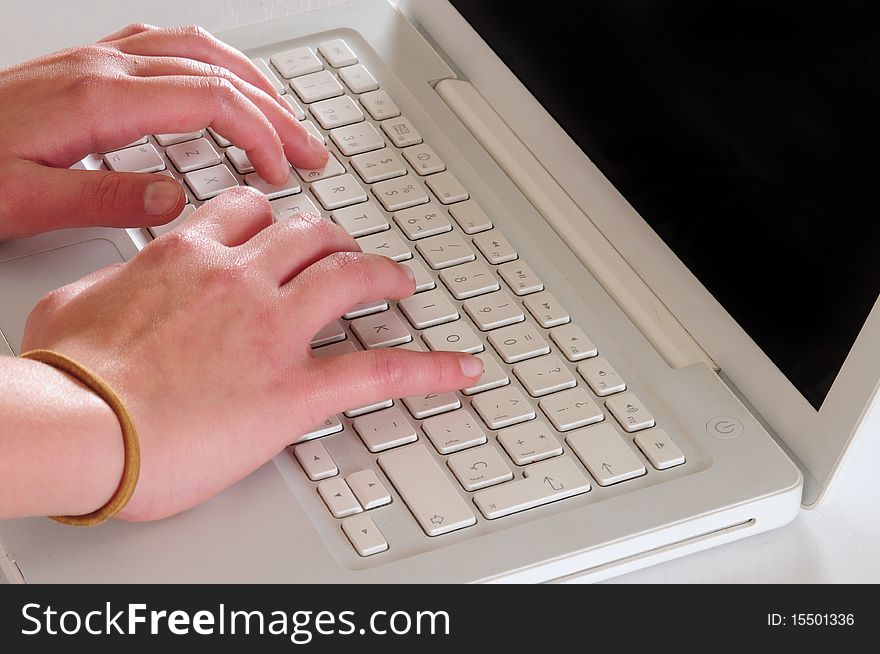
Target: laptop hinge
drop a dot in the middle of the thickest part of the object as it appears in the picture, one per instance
(674, 343)
(9, 570)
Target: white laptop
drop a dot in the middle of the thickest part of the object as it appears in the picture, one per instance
(628, 246)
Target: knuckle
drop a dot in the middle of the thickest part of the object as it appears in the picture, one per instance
(219, 89)
(107, 194)
(49, 303)
(385, 371)
(139, 27)
(178, 244)
(357, 269)
(12, 199)
(196, 32)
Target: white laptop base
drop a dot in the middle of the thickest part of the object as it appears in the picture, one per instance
(275, 526)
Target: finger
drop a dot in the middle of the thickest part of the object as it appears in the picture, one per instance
(193, 42)
(363, 378)
(158, 105)
(330, 287)
(128, 30)
(233, 217)
(44, 198)
(300, 149)
(288, 247)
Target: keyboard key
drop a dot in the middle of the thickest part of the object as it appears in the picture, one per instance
(529, 442)
(368, 490)
(544, 375)
(337, 53)
(503, 407)
(357, 138)
(312, 129)
(381, 330)
(290, 206)
(208, 182)
(495, 247)
(298, 112)
(432, 404)
(571, 409)
(424, 160)
(427, 491)
(331, 169)
(454, 431)
(364, 535)
(479, 468)
(315, 460)
(335, 350)
(378, 406)
(219, 140)
(338, 192)
(544, 482)
(382, 430)
(365, 309)
(469, 280)
(139, 159)
(602, 378)
(358, 79)
(141, 141)
(422, 221)
(173, 139)
(494, 376)
(575, 345)
(470, 217)
(546, 310)
(447, 188)
(273, 191)
(401, 132)
(400, 193)
(270, 74)
(424, 281)
(331, 425)
(379, 105)
(299, 61)
(453, 337)
(239, 160)
(660, 449)
(317, 86)
(193, 155)
(158, 230)
(605, 454)
(630, 412)
(521, 279)
(518, 342)
(494, 310)
(445, 250)
(336, 112)
(428, 309)
(338, 498)
(361, 219)
(413, 346)
(388, 244)
(378, 165)
(332, 333)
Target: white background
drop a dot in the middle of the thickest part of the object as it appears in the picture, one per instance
(839, 542)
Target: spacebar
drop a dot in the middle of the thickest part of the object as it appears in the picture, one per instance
(544, 482)
(427, 492)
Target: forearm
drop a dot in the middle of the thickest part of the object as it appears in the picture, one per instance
(61, 450)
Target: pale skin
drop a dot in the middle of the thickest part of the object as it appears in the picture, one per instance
(205, 333)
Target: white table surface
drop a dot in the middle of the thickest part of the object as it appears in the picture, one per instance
(839, 542)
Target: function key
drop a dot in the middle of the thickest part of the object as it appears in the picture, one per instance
(296, 62)
(337, 53)
(358, 79)
(379, 105)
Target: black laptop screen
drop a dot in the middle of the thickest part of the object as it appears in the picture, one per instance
(745, 133)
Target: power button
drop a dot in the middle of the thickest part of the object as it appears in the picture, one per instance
(724, 427)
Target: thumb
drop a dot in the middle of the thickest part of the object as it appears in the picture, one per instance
(42, 198)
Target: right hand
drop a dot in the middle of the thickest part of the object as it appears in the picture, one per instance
(142, 80)
(205, 335)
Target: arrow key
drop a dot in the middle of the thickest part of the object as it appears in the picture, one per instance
(338, 498)
(605, 454)
(315, 460)
(364, 535)
(368, 489)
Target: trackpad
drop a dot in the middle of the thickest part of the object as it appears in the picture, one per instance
(23, 281)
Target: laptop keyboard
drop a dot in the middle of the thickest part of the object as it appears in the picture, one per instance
(550, 415)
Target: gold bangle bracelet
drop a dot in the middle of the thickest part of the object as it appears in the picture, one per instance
(132, 466)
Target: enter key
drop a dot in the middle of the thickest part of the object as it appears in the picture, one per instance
(544, 482)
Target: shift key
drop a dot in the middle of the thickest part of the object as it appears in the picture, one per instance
(426, 489)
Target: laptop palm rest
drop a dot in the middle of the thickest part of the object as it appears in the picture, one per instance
(25, 279)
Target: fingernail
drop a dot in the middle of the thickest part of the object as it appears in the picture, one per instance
(317, 147)
(409, 273)
(470, 366)
(161, 197)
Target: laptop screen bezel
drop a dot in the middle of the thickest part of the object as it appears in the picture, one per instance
(819, 439)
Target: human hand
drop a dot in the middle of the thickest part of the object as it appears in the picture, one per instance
(142, 80)
(205, 335)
